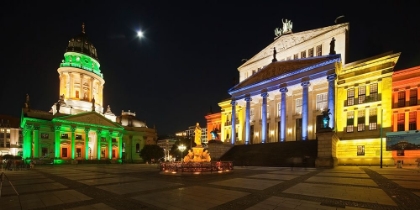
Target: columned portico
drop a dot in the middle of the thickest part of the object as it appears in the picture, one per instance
(283, 114)
(233, 136)
(331, 97)
(247, 119)
(264, 96)
(305, 86)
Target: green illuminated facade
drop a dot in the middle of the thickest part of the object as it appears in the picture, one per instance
(76, 130)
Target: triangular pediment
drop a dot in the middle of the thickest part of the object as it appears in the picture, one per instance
(88, 118)
(288, 41)
(284, 68)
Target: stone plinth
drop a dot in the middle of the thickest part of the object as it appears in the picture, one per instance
(327, 142)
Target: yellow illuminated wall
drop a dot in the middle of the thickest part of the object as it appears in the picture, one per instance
(226, 126)
(363, 146)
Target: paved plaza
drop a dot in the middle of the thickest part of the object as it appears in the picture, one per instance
(135, 186)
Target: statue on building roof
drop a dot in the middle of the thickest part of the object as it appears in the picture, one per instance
(93, 104)
(332, 46)
(287, 26)
(27, 102)
(274, 55)
(278, 32)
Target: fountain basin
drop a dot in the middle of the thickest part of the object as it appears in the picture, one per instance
(211, 167)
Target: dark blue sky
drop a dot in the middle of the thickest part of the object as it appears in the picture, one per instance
(191, 52)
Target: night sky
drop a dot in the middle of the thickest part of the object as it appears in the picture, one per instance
(190, 54)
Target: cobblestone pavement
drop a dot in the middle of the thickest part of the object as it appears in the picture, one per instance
(133, 186)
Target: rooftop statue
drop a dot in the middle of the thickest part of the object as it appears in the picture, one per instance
(287, 26)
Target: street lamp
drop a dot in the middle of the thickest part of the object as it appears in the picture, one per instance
(182, 149)
(140, 34)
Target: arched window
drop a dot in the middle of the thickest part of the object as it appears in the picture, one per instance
(137, 148)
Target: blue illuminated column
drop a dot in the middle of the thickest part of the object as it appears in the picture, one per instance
(264, 118)
(331, 97)
(305, 86)
(233, 136)
(283, 114)
(247, 119)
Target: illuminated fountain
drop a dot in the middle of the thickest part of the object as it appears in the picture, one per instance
(197, 161)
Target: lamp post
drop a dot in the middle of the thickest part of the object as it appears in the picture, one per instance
(181, 149)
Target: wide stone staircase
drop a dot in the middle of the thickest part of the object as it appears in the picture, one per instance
(293, 153)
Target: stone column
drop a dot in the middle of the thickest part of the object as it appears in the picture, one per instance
(71, 89)
(109, 140)
(305, 86)
(233, 137)
(247, 119)
(36, 141)
(87, 143)
(283, 114)
(82, 92)
(57, 140)
(73, 142)
(27, 142)
(264, 117)
(98, 144)
(331, 98)
(120, 137)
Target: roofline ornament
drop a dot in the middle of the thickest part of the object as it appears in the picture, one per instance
(286, 28)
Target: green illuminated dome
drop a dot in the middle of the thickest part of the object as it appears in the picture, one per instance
(81, 44)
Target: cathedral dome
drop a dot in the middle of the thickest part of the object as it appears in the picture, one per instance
(129, 119)
(81, 44)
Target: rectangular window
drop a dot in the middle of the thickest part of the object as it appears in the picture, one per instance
(350, 97)
(303, 54)
(360, 150)
(113, 153)
(298, 106)
(77, 94)
(63, 152)
(311, 52)
(412, 125)
(78, 152)
(361, 120)
(373, 118)
(319, 50)
(321, 101)
(362, 94)
(401, 121)
(350, 121)
(251, 114)
(413, 97)
(64, 136)
(401, 99)
(78, 137)
(295, 56)
(45, 135)
(278, 109)
(373, 92)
